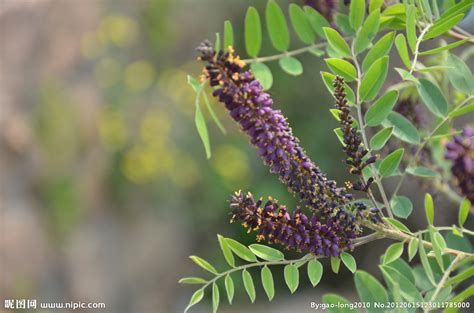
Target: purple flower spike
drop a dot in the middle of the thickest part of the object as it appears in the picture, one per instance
(269, 131)
(461, 151)
(295, 231)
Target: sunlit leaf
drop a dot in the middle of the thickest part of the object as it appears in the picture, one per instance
(266, 253)
(229, 257)
(429, 209)
(215, 297)
(394, 251)
(301, 24)
(315, 271)
(195, 298)
(336, 41)
(317, 21)
(367, 32)
(263, 74)
(253, 32)
(463, 211)
(291, 275)
(291, 65)
(380, 49)
(277, 27)
(248, 284)
(402, 128)
(401, 45)
(229, 287)
(267, 282)
(228, 34)
(240, 250)
(343, 68)
(356, 13)
(349, 261)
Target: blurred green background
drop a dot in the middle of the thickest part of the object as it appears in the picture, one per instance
(106, 189)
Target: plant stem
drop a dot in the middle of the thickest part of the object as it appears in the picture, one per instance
(417, 47)
(443, 280)
(364, 135)
(285, 54)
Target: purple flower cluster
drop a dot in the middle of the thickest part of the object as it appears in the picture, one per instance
(353, 145)
(331, 228)
(461, 151)
(273, 223)
(325, 7)
(269, 131)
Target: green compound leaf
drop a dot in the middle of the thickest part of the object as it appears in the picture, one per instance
(335, 264)
(391, 162)
(315, 272)
(262, 74)
(343, 68)
(215, 297)
(356, 13)
(291, 65)
(367, 32)
(277, 27)
(291, 274)
(433, 97)
(379, 140)
(349, 261)
(336, 42)
(412, 248)
(403, 129)
(411, 27)
(421, 171)
(340, 304)
(441, 26)
(229, 287)
(380, 49)
(192, 280)
(301, 24)
(248, 284)
(370, 289)
(463, 211)
(444, 48)
(393, 252)
(460, 75)
(377, 113)
(204, 264)
(195, 299)
(253, 32)
(240, 250)
(228, 34)
(267, 282)
(229, 257)
(316, 20)
(374, 78)
(429, 209)
(401, 206)
(401, 45)
(266, 253)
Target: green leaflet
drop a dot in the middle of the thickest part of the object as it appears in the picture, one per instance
(253, 32)
(277, 27)
(301, 24)
(373, 79)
